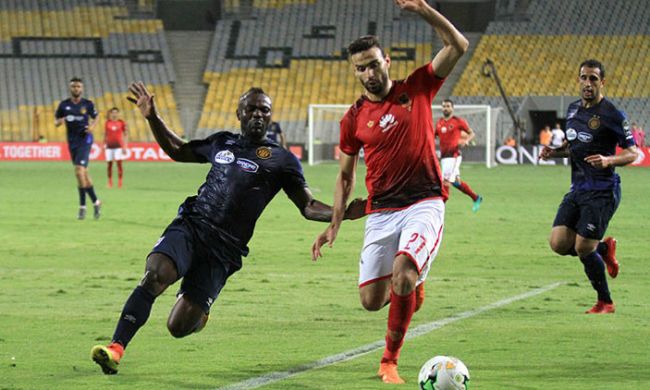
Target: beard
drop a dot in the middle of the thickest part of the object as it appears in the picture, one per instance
(375, 87)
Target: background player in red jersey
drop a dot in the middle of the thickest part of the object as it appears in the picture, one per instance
(115, 133)
(449, 130)
(392, 122)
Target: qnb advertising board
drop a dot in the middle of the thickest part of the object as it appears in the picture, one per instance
(528, 154)
(58, 151)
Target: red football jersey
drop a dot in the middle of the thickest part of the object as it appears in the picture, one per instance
(448, 131)
(398, 142)
(114, 133)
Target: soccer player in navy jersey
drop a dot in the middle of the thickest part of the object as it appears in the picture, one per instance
(79, 116)
(393, 123)
(204, 244)
(274, 133)
(593, 129)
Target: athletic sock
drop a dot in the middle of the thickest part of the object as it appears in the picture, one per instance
(400, 313)
(595, 270)
(602, 248)
(134, 315)
(572, 252)
(91, 192)
(82, 196)
(465, 189)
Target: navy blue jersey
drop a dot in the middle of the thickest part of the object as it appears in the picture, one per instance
(273, 131)
(244, 178)
(76, 120)
(595, 130)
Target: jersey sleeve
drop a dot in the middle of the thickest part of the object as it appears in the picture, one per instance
(278, 129)
(464, 126)
(621, 128)
(292, 178)
(424, 80)
(202, 148)
(92, 111)
(349, 143)
(59, 111)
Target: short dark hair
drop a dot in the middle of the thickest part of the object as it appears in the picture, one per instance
(252, 90)
(364, 43)
(76, 80)
(114, 109)
(591, 63)
(448, 101)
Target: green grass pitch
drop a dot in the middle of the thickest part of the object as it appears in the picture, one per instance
(63, 283)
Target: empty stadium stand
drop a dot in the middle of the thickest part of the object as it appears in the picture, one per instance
(45, 43)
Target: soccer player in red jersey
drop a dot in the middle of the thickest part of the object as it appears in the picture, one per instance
(448, 130)
(115, 133)
(392, 122)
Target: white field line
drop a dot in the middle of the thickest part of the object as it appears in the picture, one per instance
(420, 330)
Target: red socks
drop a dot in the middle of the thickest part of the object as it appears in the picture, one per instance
(400, 313)
(465, 189)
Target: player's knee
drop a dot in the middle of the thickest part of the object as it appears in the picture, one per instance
(404, 282)
(153, 282)
(559, 246)
(179, 329)
(584, 248)
(372, 303)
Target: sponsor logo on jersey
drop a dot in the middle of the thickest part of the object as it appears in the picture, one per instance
(626, 129)
(247, 165)
(387, 122)
(443, 129)
(571, 134)
(585, 137)
(224, 157)
(371, 124)
(263, 152)
(594, 122)
(72, 118)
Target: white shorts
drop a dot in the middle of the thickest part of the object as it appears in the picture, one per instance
(415, 231)
(116, 154)
(450, 167)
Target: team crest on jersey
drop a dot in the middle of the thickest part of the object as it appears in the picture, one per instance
(247, 165)
(594, 122)
(387, 122)
(405, 101)
(371, 124)
(83, 111)
(571, 134)
(263, 152)
(224, 157)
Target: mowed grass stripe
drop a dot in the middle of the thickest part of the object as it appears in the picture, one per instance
(354, 353)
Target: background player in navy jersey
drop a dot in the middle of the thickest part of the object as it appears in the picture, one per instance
(392, 122)
(204, 244)
(594, 127)
(274, 133)
(79, 116)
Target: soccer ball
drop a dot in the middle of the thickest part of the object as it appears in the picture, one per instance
(443, 373)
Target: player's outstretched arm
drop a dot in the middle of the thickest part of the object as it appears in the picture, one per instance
(315, 210)
(624, 157)
(172, 144)
(344, 186)
(455, 44)
(548, 152)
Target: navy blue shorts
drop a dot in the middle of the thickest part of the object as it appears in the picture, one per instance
(80, 155)
(204, 269)
(588, 212)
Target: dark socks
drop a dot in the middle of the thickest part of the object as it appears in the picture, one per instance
(595, 270)
(602, 248)
(91, 192)
(134, 315)
(82, 196)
